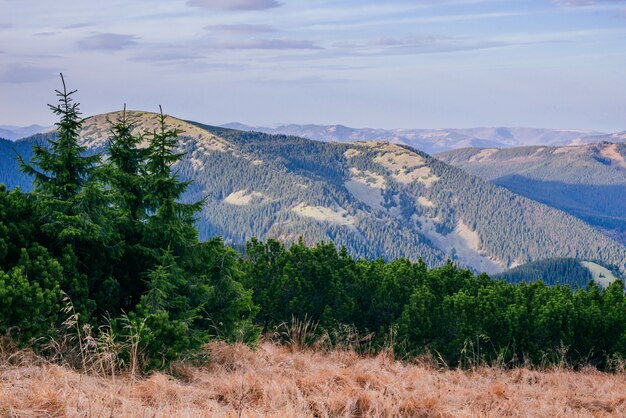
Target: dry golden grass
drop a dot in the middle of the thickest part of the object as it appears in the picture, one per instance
(274, 381)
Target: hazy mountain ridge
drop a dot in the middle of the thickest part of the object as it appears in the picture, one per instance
(377, 199)
(440, 140)
(17, 132)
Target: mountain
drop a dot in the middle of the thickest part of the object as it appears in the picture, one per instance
(586, 181)
(16, 132)
(377, 199)
(9, 168)
(563, 271)
(591, 139)
(436, 140)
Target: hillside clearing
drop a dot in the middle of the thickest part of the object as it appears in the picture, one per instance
(601, 275)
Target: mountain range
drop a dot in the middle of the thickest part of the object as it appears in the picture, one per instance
(12, 132)
(439, 140)
(377, 199)
(428, 140)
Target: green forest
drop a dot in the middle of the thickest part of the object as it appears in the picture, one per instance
(103, 241)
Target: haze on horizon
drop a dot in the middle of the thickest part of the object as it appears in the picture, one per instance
(362, 63)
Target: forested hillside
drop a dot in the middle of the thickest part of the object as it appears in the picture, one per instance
(561, 271)
(587, 181)
(558, 271)
(101, 265)
(9, 167)
(376, 199)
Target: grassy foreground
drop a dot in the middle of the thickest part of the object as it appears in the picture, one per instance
(278, 381)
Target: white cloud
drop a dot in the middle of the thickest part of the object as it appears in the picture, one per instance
(587, 3)
(235, 4)
(269, 44)
(241, 28)
(107, 41)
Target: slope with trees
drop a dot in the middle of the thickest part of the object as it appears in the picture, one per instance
(105, 249)
(376, 199)
(587, 181)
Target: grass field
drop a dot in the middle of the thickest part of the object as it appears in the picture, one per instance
(277, 381)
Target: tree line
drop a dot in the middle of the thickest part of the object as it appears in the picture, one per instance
(109, 234)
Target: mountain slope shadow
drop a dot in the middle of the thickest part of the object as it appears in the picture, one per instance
(603, 206)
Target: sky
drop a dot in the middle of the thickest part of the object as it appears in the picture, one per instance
(361, 63)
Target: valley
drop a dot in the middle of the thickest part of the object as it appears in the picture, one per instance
(587, 181)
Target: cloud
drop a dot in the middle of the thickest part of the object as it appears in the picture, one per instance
(26, 73)
(5, 25)
(242, 28)
(583, 3)
(235, 4)
(107, 41)
(79, 25)
(417, 45)
(428, 44)
(166, 56)
(270, 44)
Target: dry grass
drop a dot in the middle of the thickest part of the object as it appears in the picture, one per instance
(277, 381)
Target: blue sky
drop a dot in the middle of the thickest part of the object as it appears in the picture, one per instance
(397, 63)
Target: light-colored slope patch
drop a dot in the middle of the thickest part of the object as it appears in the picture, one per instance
(610, 152)
(461, 242)
(352, 153)
(483, 155)
(320, 213)
(405, 166)
(97, 130)
(243, 198)
(423, 201)
(601, 275)
(471, 238)
(565, 150)
(367, 187)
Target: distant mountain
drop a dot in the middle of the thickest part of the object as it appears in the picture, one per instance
(435, 140)
(17, 132)
(592, 139)
(376, 199)
(587, 181)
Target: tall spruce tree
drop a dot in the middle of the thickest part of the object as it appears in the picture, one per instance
(126, 166)
(61, 169)
(126, 178)
(74, 210)
(171, 222)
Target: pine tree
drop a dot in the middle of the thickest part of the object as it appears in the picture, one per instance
(126, 178)
(74, 210)
(126, 166)
(61, 169)
(171, 222)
